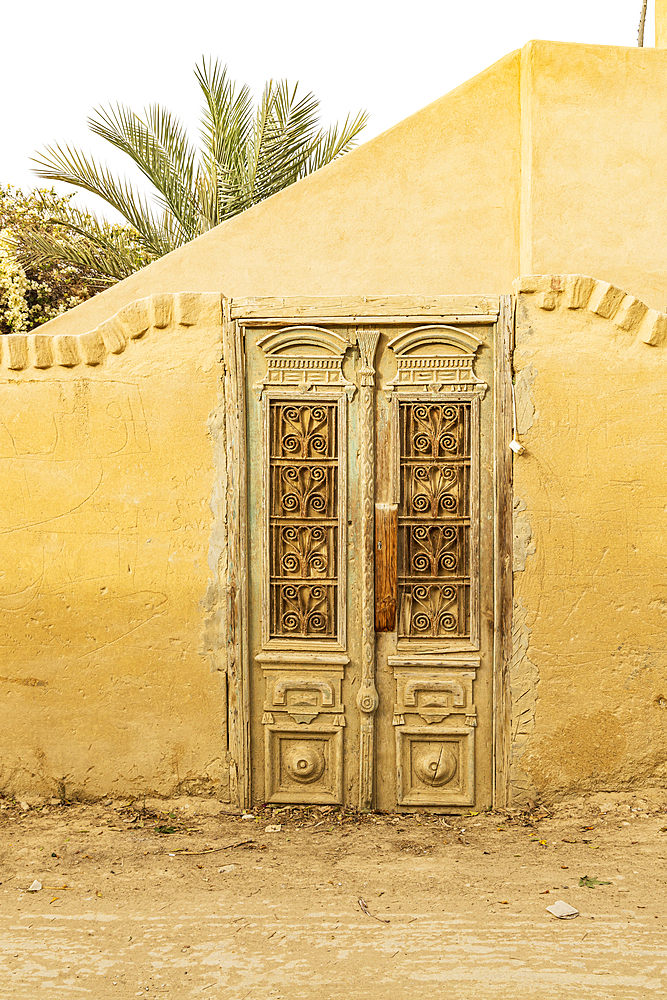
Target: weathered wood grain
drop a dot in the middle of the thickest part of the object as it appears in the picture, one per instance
(503, 551)
(354, 308)
(386, 566)
(236, 582)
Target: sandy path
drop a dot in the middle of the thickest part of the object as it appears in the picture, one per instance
(467, 911)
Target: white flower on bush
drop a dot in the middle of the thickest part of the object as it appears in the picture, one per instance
(13, 287)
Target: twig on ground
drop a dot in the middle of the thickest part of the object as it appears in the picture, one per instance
(183, 853)
(364, 908)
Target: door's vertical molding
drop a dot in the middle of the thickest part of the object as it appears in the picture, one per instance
(265, 420)
(475, 521)
(503, 550)
(236, 582)
(343, 404)
(367, 697)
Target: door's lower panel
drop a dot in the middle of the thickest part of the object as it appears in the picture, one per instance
(303, 723)
(435, 753)
(435, 766)
(304, 764)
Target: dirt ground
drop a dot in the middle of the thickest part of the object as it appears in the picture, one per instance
(182, 899)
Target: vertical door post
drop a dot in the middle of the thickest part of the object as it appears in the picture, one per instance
(367, 697)
(236, 577)
(502, 701)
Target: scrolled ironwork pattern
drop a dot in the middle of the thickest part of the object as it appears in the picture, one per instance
(303, 519)
(434, 520)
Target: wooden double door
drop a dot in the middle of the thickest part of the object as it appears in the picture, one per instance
(371, 442)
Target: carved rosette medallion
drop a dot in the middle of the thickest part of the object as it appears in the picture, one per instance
(305, 763)
(435, 765)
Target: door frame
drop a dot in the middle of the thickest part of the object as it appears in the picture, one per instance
(233, 568)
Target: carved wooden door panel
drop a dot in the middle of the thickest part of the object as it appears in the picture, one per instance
(372, 551)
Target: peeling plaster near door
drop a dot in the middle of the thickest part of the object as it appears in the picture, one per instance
(524, 678)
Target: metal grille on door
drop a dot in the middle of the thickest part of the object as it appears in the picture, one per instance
(434, 520)
(303, 519)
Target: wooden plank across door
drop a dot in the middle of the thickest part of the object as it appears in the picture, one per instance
(386, 566)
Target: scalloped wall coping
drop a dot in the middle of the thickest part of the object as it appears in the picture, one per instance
(19, 351)
(155, 312)
(579, 291)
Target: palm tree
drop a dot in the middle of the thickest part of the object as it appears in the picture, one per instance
(247, 153)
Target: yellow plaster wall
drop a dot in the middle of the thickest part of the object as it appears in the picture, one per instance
(661, 24)
(109, 682)
(548, 161)
(429, 206)
(551, 160)
(590, 502)
(594, 145)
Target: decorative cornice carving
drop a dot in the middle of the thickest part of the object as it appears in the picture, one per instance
(67, 350)
(436, 358)
(367, 338)
(302, 358)
(578, 291)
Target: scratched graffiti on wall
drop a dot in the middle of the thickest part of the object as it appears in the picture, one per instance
(56, 466)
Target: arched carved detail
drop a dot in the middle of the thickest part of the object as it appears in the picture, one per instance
(435, 358)
(302, 358)
(446, 336)
(135, 320)
(289, 337)
(579, 291)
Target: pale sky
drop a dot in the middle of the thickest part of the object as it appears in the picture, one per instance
(61, 60)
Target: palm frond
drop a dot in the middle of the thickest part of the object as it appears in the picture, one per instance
(106, 253)
(336, 141)
(227, 122)
(284, 134)
(161, 150)
(246, 155)
(71, 166)
(276, 151)
(227, 114)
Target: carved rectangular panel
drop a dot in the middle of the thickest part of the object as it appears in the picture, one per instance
(435, 765)
(303, 519)
(303, 764)
(304, 697)
(435, 696)
(434, 518)
(435, 719)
